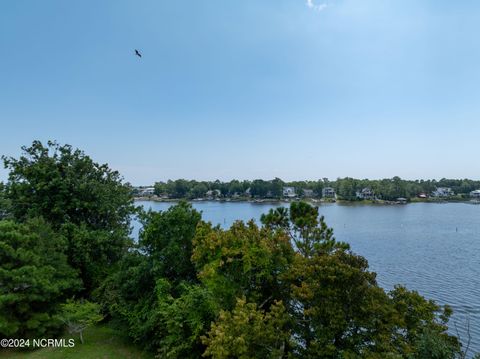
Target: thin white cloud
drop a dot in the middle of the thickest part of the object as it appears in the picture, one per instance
(318, 7)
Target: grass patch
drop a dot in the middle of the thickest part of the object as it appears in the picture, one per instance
(101, 342)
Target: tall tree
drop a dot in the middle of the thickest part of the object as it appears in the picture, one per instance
(35, 279)
(276, 188)
(167, 239)
(62, 184)
(337, 308)
(155, 290)
(86, 201)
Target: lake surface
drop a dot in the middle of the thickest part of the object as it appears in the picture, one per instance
(429, 247)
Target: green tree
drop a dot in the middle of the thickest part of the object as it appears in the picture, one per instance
(276, 218)
(167, 239)
(336, 307)
(259, 188)
(433, 345)
(63, 185)
(319, 186)
(86, 201)
(154, 290)
(422, 323)
(248, 332)
(4, 203)
(198, 190)
(178, 188)
(184, 316)
(93, 253)
(35, 278)
(235, 187)
(346, 188)
(79, 315)
(160, 188)
(276, 188)
(243, 261)
(128, 295)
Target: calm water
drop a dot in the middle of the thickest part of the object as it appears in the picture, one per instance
(432, 248)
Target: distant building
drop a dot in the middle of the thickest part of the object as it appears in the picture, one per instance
(475, 194)
(443, 192)
(328, 192)
(366, 193)
(401, 200)
(289, 192)
(213, 193)
(422, 195)
(248, 192)
(146, 192)
(308, 193)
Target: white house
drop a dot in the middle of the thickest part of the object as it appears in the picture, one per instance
(366, 193)
(213, 193)
(289, 192)
(146, 192)
(475, 194)
(443, 192)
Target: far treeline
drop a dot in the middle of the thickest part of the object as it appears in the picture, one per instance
(284, 288)
(344, 188)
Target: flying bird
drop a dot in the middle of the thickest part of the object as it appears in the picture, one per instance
(138, 53)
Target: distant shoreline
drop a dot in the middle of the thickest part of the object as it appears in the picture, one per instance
(309, 200)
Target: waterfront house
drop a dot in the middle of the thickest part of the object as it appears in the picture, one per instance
(366, 194)
(289, 192)
(146, 192)
(328, 192)
(475, 194)
(213, 193)
(401, 200)
(422, 195)
(308, 193)
(443, 192)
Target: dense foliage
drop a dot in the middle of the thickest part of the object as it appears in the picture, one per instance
(84, 201)
(155, 290)
(284, 289)
(35, 279)
(345, 188)
(4, 203)
(64, 223)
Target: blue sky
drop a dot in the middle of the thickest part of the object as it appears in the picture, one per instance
(246, 89)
